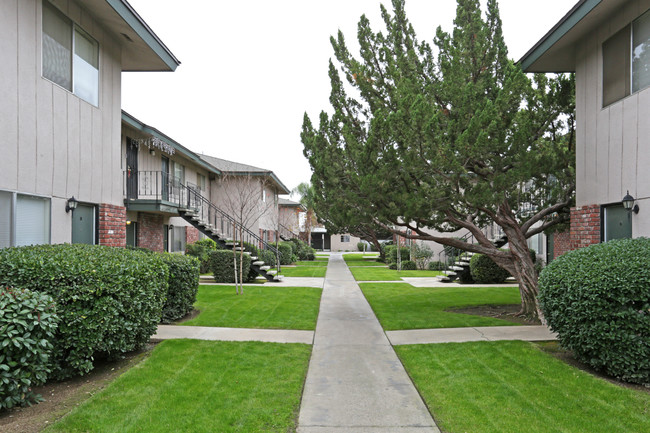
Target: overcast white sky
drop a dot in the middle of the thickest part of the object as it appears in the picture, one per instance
(250, 69)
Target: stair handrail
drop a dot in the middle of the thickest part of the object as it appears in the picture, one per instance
(293, 235)
(195, 194)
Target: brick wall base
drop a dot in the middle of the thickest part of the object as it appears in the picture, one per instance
(150, 232)
(561, 243)
(191, 235)
(112, 225)
(585, 226)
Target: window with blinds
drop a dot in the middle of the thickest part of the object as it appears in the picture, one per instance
(70, 55)
(24, 220)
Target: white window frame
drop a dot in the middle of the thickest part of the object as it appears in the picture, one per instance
(13, 204)
(74, 28)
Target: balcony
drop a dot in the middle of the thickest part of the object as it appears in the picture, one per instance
(156, 191)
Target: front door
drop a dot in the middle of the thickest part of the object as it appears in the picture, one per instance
(131, 169)
(617, 223)
(83, 224)
(165, 178)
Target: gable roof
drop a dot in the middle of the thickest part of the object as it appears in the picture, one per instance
(283, 202)
(239, 169)
(142, 49)
(555, 52)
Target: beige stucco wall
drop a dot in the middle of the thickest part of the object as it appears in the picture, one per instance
(613, 143)
(53, 143)
(337, 245)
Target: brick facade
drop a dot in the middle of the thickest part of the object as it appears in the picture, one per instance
(112, 225)
(585, 226)
(150, 232)
(191, 235)
(561, 243)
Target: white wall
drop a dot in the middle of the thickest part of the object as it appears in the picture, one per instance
(54, 143)
(613, 143)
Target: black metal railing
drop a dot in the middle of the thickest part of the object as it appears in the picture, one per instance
(228, 228)
(153, 185)
(286, 233)
(451, 255)
(160, 186)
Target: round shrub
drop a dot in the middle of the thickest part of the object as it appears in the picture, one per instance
(302, 250)
(286, 253)
(408, 265)
(484, 271)
(269, 258)
(392, 266)
(223, 266)
(109, 300)
(436, 266)
(391, 253)
(200, 250)
(598, 301)
(28, 322)
(183, 284)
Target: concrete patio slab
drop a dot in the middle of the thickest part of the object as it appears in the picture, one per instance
(166, 332)
(462, 335)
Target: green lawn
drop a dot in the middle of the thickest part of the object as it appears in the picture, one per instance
(200, 386)
(311, 263)
(362, 260)
(513, 387)
(385, 274)
(402, 306)
(259, 307)
(304, 271)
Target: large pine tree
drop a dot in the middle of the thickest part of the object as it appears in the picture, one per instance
(450, 138)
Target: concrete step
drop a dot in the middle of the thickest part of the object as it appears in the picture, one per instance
(265, 268)
(258, 263)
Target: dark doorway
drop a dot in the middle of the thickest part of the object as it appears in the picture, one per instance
(617, 223)
(83, 224)
(165, 178)
(131, 169)
(132, 234)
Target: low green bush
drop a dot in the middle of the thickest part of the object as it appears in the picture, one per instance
(109, 300)
(485, 271)
(223, 266)
(269, 258)
(408, 265)
(598, 301)
(183, 284)
(391, 253)
(422, 254)
(393, 266)
(361, 246)
(436, 266)
(200, 249)
(302, 250)
(286, 253)
(28, 322)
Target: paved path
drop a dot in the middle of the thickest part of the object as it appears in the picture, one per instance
(462, 335)
(166, 332)
(355, 382)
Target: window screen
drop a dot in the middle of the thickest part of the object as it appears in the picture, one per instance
(57, 47)
(32, 220)
(616, 67)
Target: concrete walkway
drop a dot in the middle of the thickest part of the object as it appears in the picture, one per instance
(355, 382)
(463, 335)
(166, 332)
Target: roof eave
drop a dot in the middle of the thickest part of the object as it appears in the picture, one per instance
(568, 22)
(140, 27)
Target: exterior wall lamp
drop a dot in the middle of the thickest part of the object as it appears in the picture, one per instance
(628, 203)
(71, 204)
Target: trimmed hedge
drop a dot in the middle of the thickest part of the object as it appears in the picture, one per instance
(223, 267)
(269, 258)
(183, 284)
(408, 265)
(201, 249)
(286, 253)
(28, 321)
(302, 250)
(109, 300)
(391, 253)
(485, 271)
(436, 266)
(598, 301)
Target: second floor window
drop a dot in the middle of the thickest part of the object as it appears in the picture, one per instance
(70, 55)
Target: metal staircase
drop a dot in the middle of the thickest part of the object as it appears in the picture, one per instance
(227, 232)
(459, 267)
